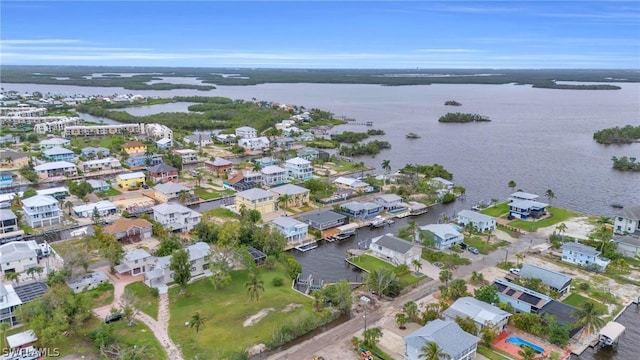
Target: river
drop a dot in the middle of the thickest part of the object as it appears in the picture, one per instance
(627, 349)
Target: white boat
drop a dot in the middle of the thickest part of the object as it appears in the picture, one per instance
(378, 221)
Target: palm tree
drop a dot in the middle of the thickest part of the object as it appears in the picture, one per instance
(527, 353)
(198, 177)
(387, 169)
(283, 200)
(413, 228)
(445, 276)
(519, 258)
(512, 185)
(197, 323)
(372, 335)
(4, 326)
(494, 201)
(417, 264)
(562, 228)
(411, 308)
(12, 276)
(588, 316)
(69, 206)
(401, 320)
(16, 200)
(431, 351)
(254, 286)
(183, 196)
(550, 195)
(256, 167)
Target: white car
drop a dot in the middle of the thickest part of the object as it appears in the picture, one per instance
(514, 271)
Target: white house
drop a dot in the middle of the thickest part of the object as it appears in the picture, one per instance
(176, 216)
(88, 282)
(252, 144)
(107, 163)
(273, 175)
(9, 227)
(344, 182)
(56, 168)
(482, 313)
(18, 256)
(135, 262)
(158, 273)
(521, 196)
(299, 169)
(442, 183)
(41, 210)
(395, 250)
(388, 201)
(54, 142)
(480, 222)
(246, 132)
(583, 255)
(104, 208)
(448, 335)
(445, 235)
(292, 229)
(628, 221)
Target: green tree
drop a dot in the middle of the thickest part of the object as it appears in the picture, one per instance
(477, 278)
(401, 320)
(445, 277)
(512, 185)
(411, 308)
(467, 324)
(381, 281)
(283, 200)
(550, 195)
(519, 258)
(431, 351)
(386, 166)
(417, 265)
(220, 271)
(561, 228)
(254, 286)
(4, 326)
(129, 306)
(488, 336)
(589, 316)
(457, 289)
(487, 293)
(197, 322)
(182, 268)
(527, 353)
(372, 336)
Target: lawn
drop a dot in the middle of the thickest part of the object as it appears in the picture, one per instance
(483, 246)
(147, 302)
(557, 216)
(111, 192)
(576, 300)
(221, 213)
(370, 263)
(208, 194)
(346, 166)
(497, 210)
(438, 256)
(102, 295)
(67, 248)
(226, 310)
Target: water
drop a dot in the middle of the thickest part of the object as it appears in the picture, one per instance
(627, 349)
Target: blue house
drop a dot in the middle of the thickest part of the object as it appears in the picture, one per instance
(141, 160)
(527, 208)
(164, 143)
(292, 229)
(99, 185)
(444, 235)
(363, 211)
(265, 161)
(96, 152)
(59, 154)
(6, 179)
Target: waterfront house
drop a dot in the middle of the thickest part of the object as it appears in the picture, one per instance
(104, 164)
(285, 143)
(299, 169)
(56, 169)
(627, 221)
(159, 274)
(58, 193)
(134, 147)
(395, 250)
(13, 159)
(243, 180)
(227, 139)
(308, 153)
(450, 338)
(522, 196)
(19, 256)
(9, 227)
(298, 196)
(265, 161)
(144, 160)
(130, 180)
(162, 173)
(53, 142)
(176, 217)
(444, 235)
(41, 210)
(388, 201)
(583, 255)
(87, 282)
(480, 312)
(523, 209)
(103, 207)
(521, 298)
(171, 192)
(442, 184)
(164, 143)
(189, 156)
(253, 144)
(352, 184)
(219, 166)
(292, 229)
(135, 262)
(95, 152)
(274, 175)
(628, 245)
(130, 230)
(480, 222)
(98, 185)
(554, 280)
(256, 199)
(199, 139)
(246, 132)
(323, 220)
(59, 154)
(358, 210)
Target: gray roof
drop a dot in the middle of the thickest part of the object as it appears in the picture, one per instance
(54, 165)
(447, 334)
(550, 278)
(287, 222)
(254, 194)
(632, 213)
(198, 250)
(475, 216)
(393, 243)
(323, 217)
(171, 208)
(21, 338)
(18, 250)
(357, 206)
(88, 280)
(528, 204)
(479, 311)
(137, 254)
(96, 184)
(6, 214)
(39, 200)
(10, 154)
(580, 248)
(298, 161)
(170, 188)
(289, 189)
(218, 161)
(57, 151)
(524, 195)
(272, 169)
(389, 197)
(161, 168)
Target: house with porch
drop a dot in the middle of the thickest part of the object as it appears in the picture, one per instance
(159, 274)
(103, 207)
(299, 169)
(395, 250)
(54, 142)
(131, 180)
(144, 160)
(219, 166)
(172, 191)
(627, 221)
(323, 220)
(352, 184)
(256, 199)
(164, 143)
(59, 154)
(189, 156)
(254, 144)
(361, 210)
(442, 184)
(480, 312)
(176, 217)
(556, 281)
(444, 235)
(388, 201)
(308, 153)
(41, 210)
(9, 227)
(19, 256)
(480, 222)
(522, 196)
(130, 230)
(134, 147)
(95, 152)
(292, 229)
(162, 173)
(524, 209)
(265, 161)
(135, 262)
(297, 195)
(246, 132)
(104, 164)
(243, 180)
(56, 169)
(226, 139)
(448, 335)
(273, 175)
(583, 255)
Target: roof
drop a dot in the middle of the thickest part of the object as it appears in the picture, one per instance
(442, 181)
(523, 195)
(161, 168)
(612, 330)
(18, 250)
(475, 216)
(479, 311)
(6, 214)
(580, 248)
(562, 312)
(246, 128)
(124, 224)
(298, 161)
(350, 182)
(393, 243)
(527, 204)
(198, 250)
(287, 222)
(53, 190)
(54, 141)
(289, 189)
(388, 198)
(137, 254)
(324, 217)
(357, 206)
(13, 155)
(550, 278)
(254, 194)
(447, 334)
(163, 141)
(96, 184)
(170, 188)
(88, 280)
(57, 151)
(100, 161)
(170, 208)
(54, 165)
(133, 175)
(256, 254)
(30, 291)
(39, 200)
(272, 169)
(21, 338)
(218, 161)
(133, 144)
(443, 231)
(632, 213)
(100, 205)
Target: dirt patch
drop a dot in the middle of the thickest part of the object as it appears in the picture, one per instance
(256, 349)
(577, 227)
(291, 307)
(252, 320)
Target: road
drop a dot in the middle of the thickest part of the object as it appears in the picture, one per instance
(332, 338)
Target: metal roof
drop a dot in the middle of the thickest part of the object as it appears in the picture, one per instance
(57, 151)
(272, 169)
(289, 189)
(632, 213)
(447, 334)
(287, 222)
(170, 188)
(21, 338)
(612, 330)
(254, 194)
(54, 165)
(550, 278)
(298, 161)
(161, 168)
(479, 311)
(133, 175)
(31, 291)
(580, 248)
(527, 204)
(39, 200)
(475, 216)
(524, 195)
(393, 243)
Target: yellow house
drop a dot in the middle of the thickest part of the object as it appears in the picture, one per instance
(297, 195)
(256, 199)
(130, 180)
(134, 148)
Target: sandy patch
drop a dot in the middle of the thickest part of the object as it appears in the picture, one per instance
(291, 307)
(252, 320)
(256, 349)
(576, 227)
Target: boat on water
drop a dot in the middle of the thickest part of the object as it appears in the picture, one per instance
(617, 205)
(378, 222)
(306, 247)
(412, 135)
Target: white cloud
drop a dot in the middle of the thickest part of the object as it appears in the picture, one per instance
(39, 41)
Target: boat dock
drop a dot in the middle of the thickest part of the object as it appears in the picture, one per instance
(306, 247)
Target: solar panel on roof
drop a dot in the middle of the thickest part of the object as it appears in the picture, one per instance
(256, 254)
(528, 298)
(511, 292)
(29, 292)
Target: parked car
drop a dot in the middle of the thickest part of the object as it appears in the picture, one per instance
(112, 318)
(463, 246)
(473, 250)
(515, 271)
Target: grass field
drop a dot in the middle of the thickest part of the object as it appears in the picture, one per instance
(111, 192)
(497, 211)
(576, 300)
(226, 310)
(221, 213)
(66, 248)
(370, 263)
(557, 216)
(483, 246)
(102, 295)
(147, 303)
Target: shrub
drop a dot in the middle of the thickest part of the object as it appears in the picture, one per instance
(277, 281)
(448, 198)
(155, 292)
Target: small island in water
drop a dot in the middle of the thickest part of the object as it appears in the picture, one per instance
(452, 103)
(626, 164)
(617, 135)
(462, 118)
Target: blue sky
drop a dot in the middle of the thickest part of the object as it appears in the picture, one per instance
(323, 34)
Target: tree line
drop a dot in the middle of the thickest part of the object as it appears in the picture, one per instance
(618, 135)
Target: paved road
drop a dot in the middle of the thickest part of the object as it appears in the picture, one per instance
(329, 339)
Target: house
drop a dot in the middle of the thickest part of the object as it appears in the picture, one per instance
(199, 139)
(246, 132)
(189, 156)
(164, 143)
(522, 196)
(628, 245)
(144, 160)
(291, 131)
(172, 191)
(243, 180)
(455, 342)
(365, 210)
(219, 166)
(54, 142)
(162, 173)
(104, 164)
(523, 209)
(99, 185)
(176, 217)
(131, 180)
(9, 227)
(480, 222)
(6, 179)
(10, 303)
(324, 220)
(159, 274)
(56, 169)
(583, 255)
(59, 154)
(95, 152)
(253, 144)
(58, 193)
(41, 210)
(352, 184)
(273, 175)
(297, 195)
(292, 229)
(388, 201)
(23, 342)
(480, 312)
(13, 159)
(299, 169)
(158, 131)
(395, 250)
(227, 138)
(256, 199)
(135, 262)
(441, 183)
(444, 235)
(9, 139)
(308, 153)
(87, 282)
(285, 124)
(554, 280)
(104, 208)
(134, 147)
(285, 143)
(130, 230)
(627, 221)
(19, 256)
(265, 161)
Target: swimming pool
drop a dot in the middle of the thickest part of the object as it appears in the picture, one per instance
(520, 342)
